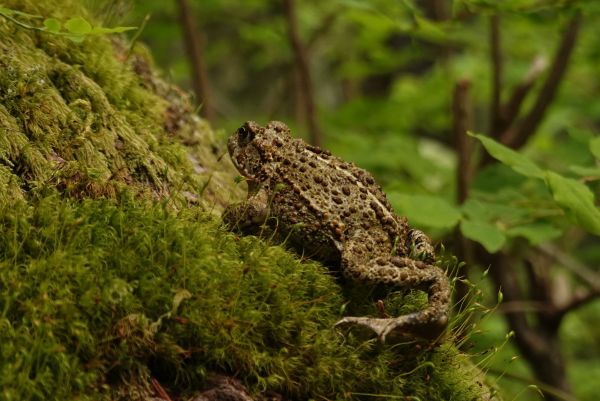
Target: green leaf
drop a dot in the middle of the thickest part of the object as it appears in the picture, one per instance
(491, 211)
(486, 234)
(99, 30)
(75, 38)
(78, 26)
(583, 171)
(536, 233)
(517, 161)
(52, 24)
(430, 30)
(426, 210)
(576, 199)
(595, 147)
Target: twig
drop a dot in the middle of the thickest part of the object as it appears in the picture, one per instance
(305, 81)
(193, 45)
(511, 109)
(496, 59)
(523, 307)
(577, 268)
(160, 390)
(579, 299)
(462, 121)
(462, 116)
(517, 136)
(322, 30)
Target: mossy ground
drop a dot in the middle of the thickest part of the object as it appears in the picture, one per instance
(93, 293)
(113, 269)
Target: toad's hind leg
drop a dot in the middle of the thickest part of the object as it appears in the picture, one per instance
(400, 272)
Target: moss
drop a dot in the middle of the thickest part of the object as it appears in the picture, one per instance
(83, 118)
(93, 292)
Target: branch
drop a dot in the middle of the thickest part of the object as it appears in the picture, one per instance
(462, 121)
(160, 390)
(530, 342)
(193, 46)
(517, 136)
(496, 59)
(583, 272)
(322, 30)
(305, 81)
(462, 116)
(511, 109)
(580, 270)
(579, 299)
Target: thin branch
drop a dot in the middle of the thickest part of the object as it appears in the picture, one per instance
(517, 136)
(193, 44)
(496, 60)
(462, 116)
(304, 76)
(524, 307)
(160, 390)
(585, 273)
(462, 122)
(579, 299)
(511, 109)
(322, 30)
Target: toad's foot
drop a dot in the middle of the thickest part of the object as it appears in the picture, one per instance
(404, 325)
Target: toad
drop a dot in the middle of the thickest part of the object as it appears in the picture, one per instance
(331, 211)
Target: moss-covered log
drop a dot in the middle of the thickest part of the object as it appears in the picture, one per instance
(115, 271)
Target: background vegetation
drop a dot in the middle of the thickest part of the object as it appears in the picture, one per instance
(394, 86)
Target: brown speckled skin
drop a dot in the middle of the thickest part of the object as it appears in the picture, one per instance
(334, 212)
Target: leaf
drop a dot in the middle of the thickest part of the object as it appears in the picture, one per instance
(595, 147)
(52, 25)
(593, 172)
(536, 233)
(479, 210)
(517, 161)
(78, 26)
(576, 199)
(426, 210)
(75, 38)
(486, 234)
(99, 30)
(430, 30)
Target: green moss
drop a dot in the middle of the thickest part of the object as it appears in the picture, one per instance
(82, 118)
(93, 292)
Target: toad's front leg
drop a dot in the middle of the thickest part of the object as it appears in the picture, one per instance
(247, 217)
(399, 272)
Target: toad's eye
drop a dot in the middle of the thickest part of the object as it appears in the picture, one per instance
(245, 135)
